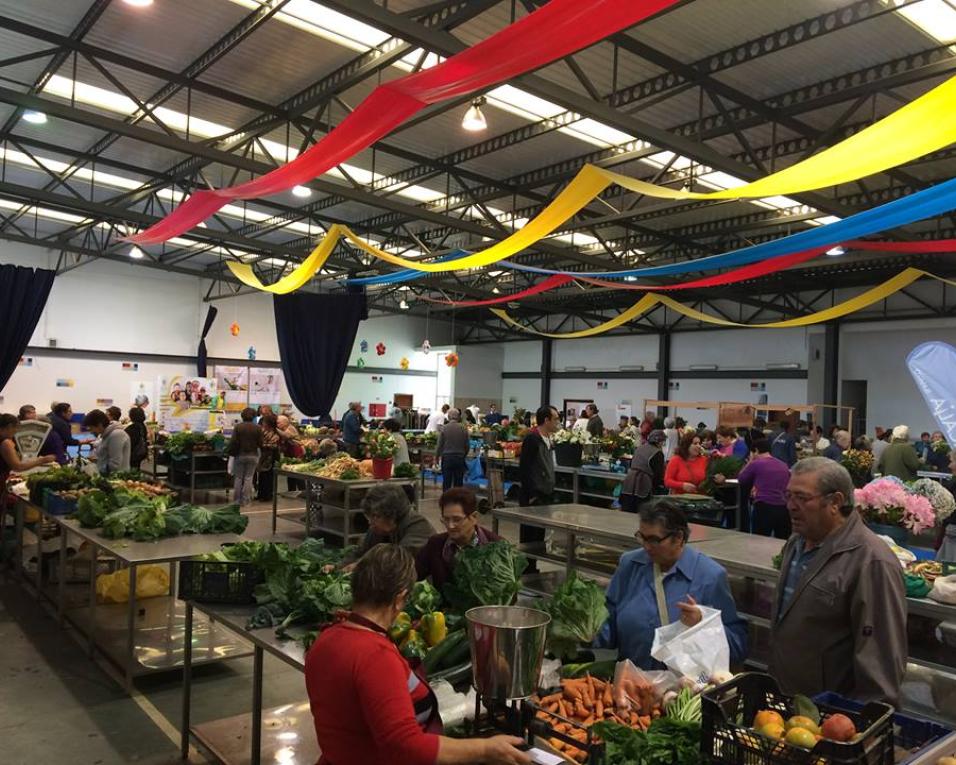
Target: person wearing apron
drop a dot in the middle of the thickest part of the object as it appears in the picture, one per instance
(662, 582)
(368, 705)
(646, 474)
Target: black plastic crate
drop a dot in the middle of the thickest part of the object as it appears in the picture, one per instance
(219, 582)
(909, 732)
(726, 735)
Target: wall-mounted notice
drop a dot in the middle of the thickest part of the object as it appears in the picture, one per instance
(65, 382)
(233, 385)
(130, 366)
(187, 403)
(264, 387)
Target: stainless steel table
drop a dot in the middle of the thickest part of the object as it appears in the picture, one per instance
(149, 638)
(290, 735)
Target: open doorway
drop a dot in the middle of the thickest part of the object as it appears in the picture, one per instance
(853, 393)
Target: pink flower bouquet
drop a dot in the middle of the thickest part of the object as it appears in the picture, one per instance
(889, 502)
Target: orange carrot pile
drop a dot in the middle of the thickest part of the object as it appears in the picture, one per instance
(582, 702)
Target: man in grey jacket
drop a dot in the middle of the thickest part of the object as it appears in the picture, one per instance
(839, 613)
(112, 452)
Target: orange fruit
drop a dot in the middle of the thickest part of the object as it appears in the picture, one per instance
(767, 717)
(801, 737)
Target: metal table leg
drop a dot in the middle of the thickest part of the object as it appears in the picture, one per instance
(61, 578)
(18, 511)
(39, 576)
(275, 502)
(131, 629)
(187, 681)
(94, 560)
(256, 753)
(308, 507)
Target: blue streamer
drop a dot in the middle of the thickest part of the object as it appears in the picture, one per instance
(919, 206)
(406, 274)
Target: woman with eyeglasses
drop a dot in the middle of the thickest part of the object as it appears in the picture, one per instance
(663, 582)
(459, 515)
(391, 519)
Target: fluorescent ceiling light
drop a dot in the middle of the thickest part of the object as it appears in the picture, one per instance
(37, 118)
(303, 192)
(136, 253)
(139, 3)
(937, 18)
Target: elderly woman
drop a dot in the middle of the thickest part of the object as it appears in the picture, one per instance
(392, 520)
(899, 458)
(268, 454)
(459, 514)
(665, 566)
(367, 705)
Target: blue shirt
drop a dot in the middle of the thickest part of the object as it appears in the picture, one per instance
(632, 604)
(802, 557)
(351, 428)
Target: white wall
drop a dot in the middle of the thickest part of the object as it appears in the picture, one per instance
(739, 348)
(522, 356)
(108, 306)
(526, 395)
(632, 392)
(478, 376)
(607, 353)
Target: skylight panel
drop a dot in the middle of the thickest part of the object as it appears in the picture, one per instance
(937, 18)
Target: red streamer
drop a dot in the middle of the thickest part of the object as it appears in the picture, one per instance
(552, 32)
(733, 276)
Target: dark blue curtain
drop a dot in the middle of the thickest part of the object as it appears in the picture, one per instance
(23, 294)
(316, 334)
(201, 353)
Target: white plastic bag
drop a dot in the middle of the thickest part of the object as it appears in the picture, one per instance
(696, 652)
(944, 589)
(633, 685)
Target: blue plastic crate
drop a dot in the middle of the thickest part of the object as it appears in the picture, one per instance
(54, 504)
(909, 732)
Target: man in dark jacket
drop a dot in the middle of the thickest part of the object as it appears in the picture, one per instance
(536, 469)
(595, 423)
(352, 429)
(60, 420)
(783, 446)
(838, 620)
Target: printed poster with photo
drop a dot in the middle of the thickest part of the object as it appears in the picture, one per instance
(188, 403)
(233, 386)
(264, 388)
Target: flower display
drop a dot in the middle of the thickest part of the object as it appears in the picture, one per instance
(451, 359)
(939, 497)
(404, 363)
(859, 464)
(892, 503)
(381, 445)
(380, 349)
(565, 436)
(940, 446)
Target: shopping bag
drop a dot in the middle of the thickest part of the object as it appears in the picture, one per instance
(944, 589)
(151, 582)
(697, 652)
(633, 686)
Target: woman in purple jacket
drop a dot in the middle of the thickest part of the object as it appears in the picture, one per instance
(767, 478)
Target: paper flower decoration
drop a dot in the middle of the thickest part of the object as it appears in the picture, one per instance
(252, 353)
(403, 363)
(380, 349)
(360, 363)
(363, 346)
(451, 359)
(234, 329)
(426, 347)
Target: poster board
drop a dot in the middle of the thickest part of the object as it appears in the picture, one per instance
(187, 403)
(264, 385)
(233, 386)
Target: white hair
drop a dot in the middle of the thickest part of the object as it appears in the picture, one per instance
(901, 433)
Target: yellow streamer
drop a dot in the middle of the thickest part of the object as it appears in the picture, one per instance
(300, 275)
(646, 303)
(920, 127)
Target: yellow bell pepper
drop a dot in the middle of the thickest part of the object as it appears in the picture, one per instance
(434, 628)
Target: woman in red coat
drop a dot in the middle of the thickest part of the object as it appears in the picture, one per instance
(687, 469)
(368, 706)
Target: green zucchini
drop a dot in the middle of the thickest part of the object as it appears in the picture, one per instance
(602, 670)
(437, 657)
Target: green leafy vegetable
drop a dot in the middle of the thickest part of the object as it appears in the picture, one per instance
(728, 467)
(802, 705)
(487, 575)
(578, 612)
(184, 442)
(92, 508)
(666, 742)
(685, 707)
(405, 470)
(423, 599)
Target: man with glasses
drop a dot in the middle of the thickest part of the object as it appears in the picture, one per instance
(459, 515)
(839, 612)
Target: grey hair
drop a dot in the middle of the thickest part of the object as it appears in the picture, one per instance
(670, 422)
(454, 414)
(831, 477)
(386, 501)
(668, 514)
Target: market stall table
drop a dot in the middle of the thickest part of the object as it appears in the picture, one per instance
(340, 501)
(289, 734)
(145, 636)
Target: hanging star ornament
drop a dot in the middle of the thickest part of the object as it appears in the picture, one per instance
(234, 329)
(252, 353)
(363, 346)
(360, 363)
(426, 347)
(380, 349)
(404, 362)
(451, 359)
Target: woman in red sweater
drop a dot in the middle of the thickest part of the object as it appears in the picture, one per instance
(688, 467)
(369, 708)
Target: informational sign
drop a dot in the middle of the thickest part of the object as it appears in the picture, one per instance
(264, 387)
(233, 386)
(65, 382)
(130, 366)
(187, 403)
(376, 410)
(102, 403)
(25, 361)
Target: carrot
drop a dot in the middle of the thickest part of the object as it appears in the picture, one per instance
(645, 722)
(608, 695)
(550, 699)
(571, 692)
(563, 708)
(552, 707)
(580, 710)
(590, 682)
(588, 722)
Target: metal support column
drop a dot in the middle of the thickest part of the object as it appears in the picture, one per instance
(831, 371)
(663, 369)
(546, 349)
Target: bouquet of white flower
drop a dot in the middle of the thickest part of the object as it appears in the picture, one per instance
(573, 436)
(938, 496)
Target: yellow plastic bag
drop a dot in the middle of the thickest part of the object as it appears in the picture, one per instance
(151, 582)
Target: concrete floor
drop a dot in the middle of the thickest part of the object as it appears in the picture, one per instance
(58, 706)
